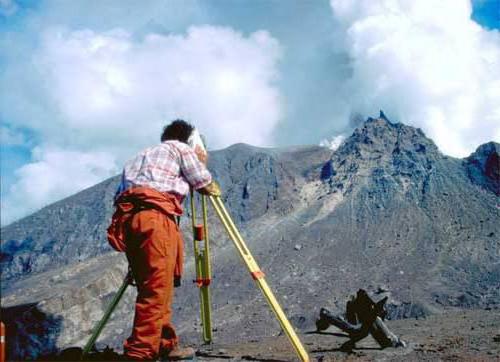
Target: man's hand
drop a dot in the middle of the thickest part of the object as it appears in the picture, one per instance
(212, 189)
(202, 154)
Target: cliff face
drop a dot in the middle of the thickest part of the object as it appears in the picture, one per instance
(386, 212)
(483, 166)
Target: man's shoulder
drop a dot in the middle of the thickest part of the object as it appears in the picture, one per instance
(164, 146)
(171, 147)
(140, 155)
(181, 146)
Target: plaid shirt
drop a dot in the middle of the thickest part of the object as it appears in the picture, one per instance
(171, 166)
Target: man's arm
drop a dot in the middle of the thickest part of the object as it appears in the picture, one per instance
(194, 171)
(193, 167)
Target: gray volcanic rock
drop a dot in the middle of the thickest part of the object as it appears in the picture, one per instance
(61, 306)
(483, 166)
(257, 180)
(66, 232)
(386, 212)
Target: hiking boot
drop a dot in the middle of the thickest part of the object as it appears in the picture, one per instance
(178, 353)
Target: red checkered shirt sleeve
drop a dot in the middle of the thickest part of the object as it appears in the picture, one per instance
(192, 169)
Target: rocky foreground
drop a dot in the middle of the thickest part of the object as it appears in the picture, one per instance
(453, 335)
(450, 336)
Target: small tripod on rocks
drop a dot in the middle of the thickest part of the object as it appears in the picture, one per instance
(363, 316)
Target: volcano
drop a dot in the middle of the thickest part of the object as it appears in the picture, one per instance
(386, 212)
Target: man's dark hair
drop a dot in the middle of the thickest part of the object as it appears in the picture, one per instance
(177, 130)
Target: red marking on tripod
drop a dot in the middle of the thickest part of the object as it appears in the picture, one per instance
(202, 282)
(258, 274)
(199, 233)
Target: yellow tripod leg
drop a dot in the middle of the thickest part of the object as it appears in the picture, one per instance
(207, 277)
(258, 276)
(202, 267)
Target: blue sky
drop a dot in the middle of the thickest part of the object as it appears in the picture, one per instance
(487, 13)
(85, 84)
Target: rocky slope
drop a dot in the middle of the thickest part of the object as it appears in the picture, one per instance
(386, 212)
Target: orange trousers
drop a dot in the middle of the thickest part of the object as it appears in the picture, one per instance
(152, 240)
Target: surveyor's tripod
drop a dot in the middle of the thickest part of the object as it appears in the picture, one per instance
(203, 278)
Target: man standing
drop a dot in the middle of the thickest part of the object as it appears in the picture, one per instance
(149, 199)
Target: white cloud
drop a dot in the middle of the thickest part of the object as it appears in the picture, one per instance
(105, 89)
(425, 63)
(334, 142)
(54, 174)
(112, 93)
